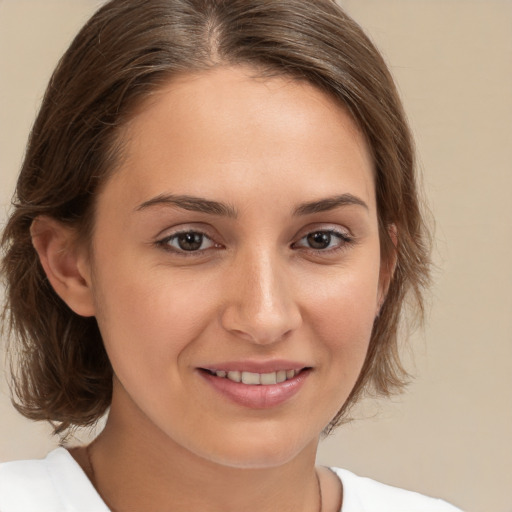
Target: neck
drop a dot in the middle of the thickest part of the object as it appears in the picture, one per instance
(138, 467)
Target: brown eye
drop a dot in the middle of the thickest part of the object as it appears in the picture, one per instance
(319, 240)
(188, 241)
(327, 240)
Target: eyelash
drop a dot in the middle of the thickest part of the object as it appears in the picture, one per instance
(165, 243)
(344, 241)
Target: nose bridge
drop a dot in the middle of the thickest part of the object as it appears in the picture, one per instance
(262, 305)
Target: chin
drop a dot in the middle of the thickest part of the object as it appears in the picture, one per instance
(259, 450)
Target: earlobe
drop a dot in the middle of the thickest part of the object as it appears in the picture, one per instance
(64, 263)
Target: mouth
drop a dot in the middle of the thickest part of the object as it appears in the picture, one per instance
(256, 379)
(256, 390)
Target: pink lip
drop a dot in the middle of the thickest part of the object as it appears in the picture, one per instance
(259, 396)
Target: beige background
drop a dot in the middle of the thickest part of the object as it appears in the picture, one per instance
(450, 435)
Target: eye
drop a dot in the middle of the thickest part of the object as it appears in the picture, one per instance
(324, 240)
(187, 241)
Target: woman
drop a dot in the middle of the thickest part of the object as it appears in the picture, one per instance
(216, 226)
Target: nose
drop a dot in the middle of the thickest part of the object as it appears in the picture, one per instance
(261, 306)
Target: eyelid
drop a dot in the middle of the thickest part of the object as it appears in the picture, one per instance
(184, 227)
(342, 231)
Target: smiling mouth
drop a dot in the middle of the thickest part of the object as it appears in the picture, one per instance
(255, 379)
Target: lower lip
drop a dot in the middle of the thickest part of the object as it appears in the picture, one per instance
(257, 396)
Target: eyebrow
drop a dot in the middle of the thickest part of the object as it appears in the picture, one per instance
(199, 204)
(191, 203)
(329, 203)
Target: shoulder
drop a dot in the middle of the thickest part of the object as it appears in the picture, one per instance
(55, 483)
(366, 495)
(25, 483)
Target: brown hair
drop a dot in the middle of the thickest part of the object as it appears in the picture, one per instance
(127, 50)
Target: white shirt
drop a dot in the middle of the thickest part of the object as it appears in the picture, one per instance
(58, 484)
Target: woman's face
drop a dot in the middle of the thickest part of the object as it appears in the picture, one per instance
(238, 240)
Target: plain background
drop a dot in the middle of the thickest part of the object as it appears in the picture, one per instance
(450, 435)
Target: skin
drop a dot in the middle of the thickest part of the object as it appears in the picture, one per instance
(255, 290)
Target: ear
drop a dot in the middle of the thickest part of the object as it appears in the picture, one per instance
(388, 266)
(65, 263)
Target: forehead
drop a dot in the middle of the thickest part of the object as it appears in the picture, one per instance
(228, 131)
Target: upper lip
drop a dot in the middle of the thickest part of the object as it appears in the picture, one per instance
(256, 366)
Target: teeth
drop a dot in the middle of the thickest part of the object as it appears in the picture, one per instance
(269, 378)
(235, 376)
(251, 378)
(255, 379)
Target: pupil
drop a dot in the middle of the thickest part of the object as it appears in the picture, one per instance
(319, 240)
(190, 241)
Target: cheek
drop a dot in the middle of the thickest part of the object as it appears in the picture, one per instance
(149, 317)
(341, 315)
(344, 302)
(338, 308)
